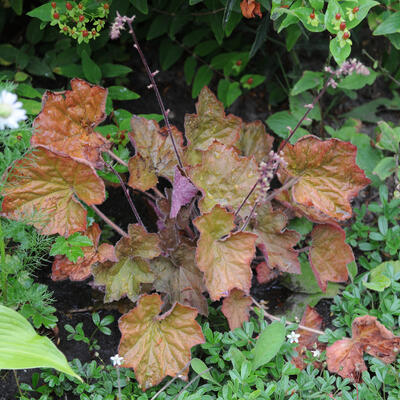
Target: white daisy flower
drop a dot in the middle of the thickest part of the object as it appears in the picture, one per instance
(316, 353)
(11, 111)
(293, 337)
(117, 360)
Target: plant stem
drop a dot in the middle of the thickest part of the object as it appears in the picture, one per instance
(272, 317)
(156, 91)
(170, 382)
(109, 222)
(17, 382)
(127, 195)
(119, 385)
(245, 199)
(4, 273)
(193, 380)
(116, 158)
(383, 70)
(315, 101)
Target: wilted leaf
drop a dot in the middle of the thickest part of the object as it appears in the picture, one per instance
(158, 345)
(345, 357)
(224, 261)
(220, 184)
(275, 241)
(209, 124)
(63, 268)
(44, 187)
(125, 277)
(265, 274)
(155, 155)
(67, 120)
(329, 254)
(182, 193)
(255, 141)
(308, 340)
(328, 175)
(236, 308)
(250, 8)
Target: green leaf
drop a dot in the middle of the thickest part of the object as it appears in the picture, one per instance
(309, 80)
(228, 11)
(203, 78)
(159, 26)
(21, 347)
(280, 122)
(122, 93)
(389, 137)
(216, 26)
(169, 53)
(77, 239)
(389, 25)
(16, 5)
(268, 344)
(317, 4)
(43, 12)
(90, 68)
(378, 281)
(31, 107)
(293, 33)
(110, 70)
(357, 81)
(199, 367)
(339, 53)
(261, 36)
(331, 11)
(228, 91)
(70, 71)
(141, 5)
(189, 69)
(385, 168)
(25, 90)
(364, 7)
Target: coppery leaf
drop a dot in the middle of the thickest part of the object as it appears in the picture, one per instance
(275, 241)
(265, 274)
(44, 187)
(255, 141)
(308, 340)
(67, 120)
(209, 124)
(250, 8)
(345, 357)
(158, 345)
(224, 261)
(63, 268)
(155, 155)
(328, 175)
(329, 254)
(236, 308)
(220, 184)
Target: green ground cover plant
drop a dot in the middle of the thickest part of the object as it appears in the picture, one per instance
(237, 201)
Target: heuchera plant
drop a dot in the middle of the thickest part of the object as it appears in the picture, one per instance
(219, 211)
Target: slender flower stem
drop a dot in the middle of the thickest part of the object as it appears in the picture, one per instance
(116, 158)
(245, 199)
(119, 384)
(156, 91)
(127, 195)
(109, 222)
(193, 380)
(315, 101)
(169, 383)
(273, 318)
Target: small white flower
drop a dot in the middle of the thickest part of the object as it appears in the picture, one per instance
(293, 337)
(316, 353)
(117, 360)
(11, 111)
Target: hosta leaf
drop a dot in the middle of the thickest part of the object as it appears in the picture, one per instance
(308, 340)
(63, 268)
(329, 254)
(21, 347)
(158, 345)
(68, 118)
(209, 124)
(182, 193)
(255, 141)
(222, 185)
(155, 154)
(224, 261)
(345, 357)
(236, 308)
(123, 278)
(328, 174)
(179, 277)
(275, 241)
(44, 187)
